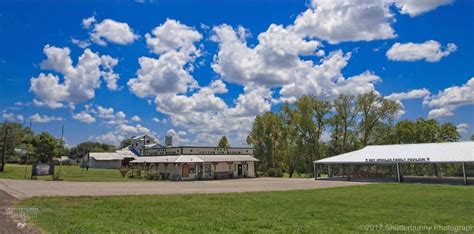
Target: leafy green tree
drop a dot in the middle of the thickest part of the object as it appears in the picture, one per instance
(424, 131)
(223, 142)
(448, 133)
(17, 137)
(472, 137)
(79, 150)
(291, 149)
(125, 142)
(310, 124)
(374, 110)
(46, 147)
(265, 137)
(342, 123)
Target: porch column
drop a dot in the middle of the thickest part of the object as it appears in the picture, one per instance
(230, 169)
(246, 167)
(464, 173)
(215, 169)
(176, 166)
(166, 170)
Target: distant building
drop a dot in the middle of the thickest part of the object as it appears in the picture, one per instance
(192, 162)
(179, 162)
(109, 160)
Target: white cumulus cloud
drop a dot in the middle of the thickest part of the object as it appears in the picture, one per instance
(37, 118)
(412, 94)
(446, 101)
(84, 117)
(462, 127)
(430, 51)
(78, 82)
(109, 31)
(136, 118)
(417, 7)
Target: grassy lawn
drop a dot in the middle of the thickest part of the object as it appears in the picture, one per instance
(68, 173)
(335, 209)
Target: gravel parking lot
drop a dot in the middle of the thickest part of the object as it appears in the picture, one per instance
(27, 188)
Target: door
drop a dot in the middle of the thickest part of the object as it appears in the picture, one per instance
(239, 169)
(185, 170)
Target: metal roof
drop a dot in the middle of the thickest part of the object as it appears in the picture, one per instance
(117, 155)
(449, 152)
(195, 159)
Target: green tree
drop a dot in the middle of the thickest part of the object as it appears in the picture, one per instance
(79, 150)
(223, 142)
(125, 142)
(46, 147)
(424, 131)
(374, 110)
(265, 137)
(472, 137)
(17, 137)
(342, 122)
(290, 144)
(310, 123)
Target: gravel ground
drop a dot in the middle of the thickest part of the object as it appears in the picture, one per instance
(8, 223)
(27, 188)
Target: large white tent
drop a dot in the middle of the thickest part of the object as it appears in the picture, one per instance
(449, 152)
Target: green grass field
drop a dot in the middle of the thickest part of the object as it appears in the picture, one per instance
(68, 173)
(335, 209)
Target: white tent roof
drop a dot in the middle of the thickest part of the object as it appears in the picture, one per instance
(449, 152)
(195, 159)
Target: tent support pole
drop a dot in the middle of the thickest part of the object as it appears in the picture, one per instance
(464, 173)
(329, 171)
(348, 170)
(398, 173)
(315, 171)
(436, 170)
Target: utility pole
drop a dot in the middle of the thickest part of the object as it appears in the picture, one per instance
(2, 168)
(61, 151)
(27, 156)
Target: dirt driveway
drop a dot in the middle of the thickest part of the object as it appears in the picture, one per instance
(28, 188)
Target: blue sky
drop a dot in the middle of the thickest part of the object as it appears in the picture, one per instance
(201, 69)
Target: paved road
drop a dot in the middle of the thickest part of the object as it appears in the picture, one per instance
(30, 188)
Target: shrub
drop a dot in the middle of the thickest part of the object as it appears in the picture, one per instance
(139, 173)
(153, 176)
(274, 172)
(124, 171)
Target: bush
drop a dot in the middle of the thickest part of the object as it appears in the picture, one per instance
(153, 176)
(124, 171)
(274, 172)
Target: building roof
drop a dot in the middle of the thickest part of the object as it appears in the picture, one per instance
(449, 152)
(195, 159)
(117, 155)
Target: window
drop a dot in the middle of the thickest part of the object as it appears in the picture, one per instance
(192, 169)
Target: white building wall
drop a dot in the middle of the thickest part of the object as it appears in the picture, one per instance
(107, 164)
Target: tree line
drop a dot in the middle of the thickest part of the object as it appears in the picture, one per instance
(311, 129)
(21, 144)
